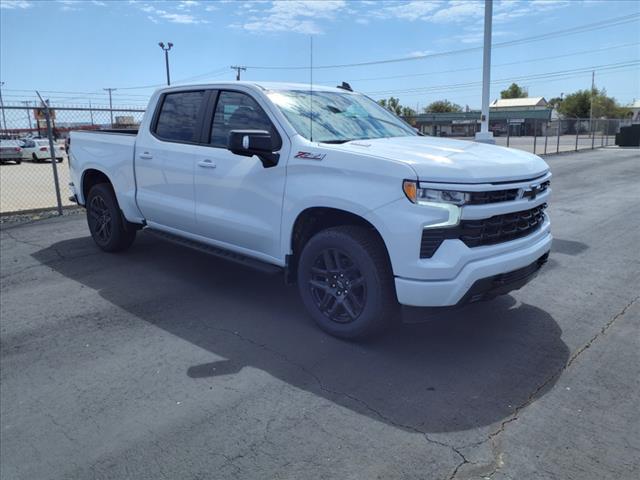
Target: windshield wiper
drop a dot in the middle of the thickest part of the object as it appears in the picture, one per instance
(337, 142)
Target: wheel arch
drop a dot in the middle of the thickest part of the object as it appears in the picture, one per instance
(91, 177)
(315, 219)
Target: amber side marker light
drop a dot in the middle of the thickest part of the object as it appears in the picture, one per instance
(410, 189)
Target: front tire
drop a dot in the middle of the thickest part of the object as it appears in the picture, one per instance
(109, 229)
(346, 282)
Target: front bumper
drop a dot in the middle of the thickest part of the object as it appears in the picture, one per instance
(476, 279)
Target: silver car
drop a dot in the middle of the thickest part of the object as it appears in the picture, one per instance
(10, 151)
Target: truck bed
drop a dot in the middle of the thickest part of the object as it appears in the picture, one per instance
(112, 153)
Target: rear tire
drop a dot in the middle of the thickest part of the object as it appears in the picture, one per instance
(108, 227)
(346, 282)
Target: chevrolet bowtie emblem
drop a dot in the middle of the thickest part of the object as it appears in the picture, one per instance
(532, 192)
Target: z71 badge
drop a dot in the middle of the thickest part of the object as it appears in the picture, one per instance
(311, 156)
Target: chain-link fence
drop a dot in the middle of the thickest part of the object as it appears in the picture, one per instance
(26, 170)
(27, 177)
(541, 137)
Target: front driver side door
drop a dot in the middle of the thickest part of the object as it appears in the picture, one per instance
(239, 201)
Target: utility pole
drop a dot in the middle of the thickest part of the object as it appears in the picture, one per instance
(485, 135)
(27, 104)
(593, 86)
(166, 57)
(238, 69)
(110, 103)
(4, 120)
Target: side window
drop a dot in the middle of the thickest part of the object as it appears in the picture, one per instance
(178, 117)
(237, 111)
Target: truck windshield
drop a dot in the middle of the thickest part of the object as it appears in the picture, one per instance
(337, 117)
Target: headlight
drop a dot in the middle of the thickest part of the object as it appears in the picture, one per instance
(449, 200)
(431, 195)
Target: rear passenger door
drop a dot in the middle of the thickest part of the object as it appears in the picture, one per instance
(239, 201)
(166, 156)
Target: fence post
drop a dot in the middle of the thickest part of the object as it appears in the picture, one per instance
(593, 135)
(508, 131)
(54, 162)
(535, 134)
(546, 136)
(608, 128)
(558, 141)
(603, 133)
(577, 132)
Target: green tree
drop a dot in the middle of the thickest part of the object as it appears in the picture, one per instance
(554, 102)
(442, 106)
(514, 91)
(408, 112)
(392, 104)
(578, 105)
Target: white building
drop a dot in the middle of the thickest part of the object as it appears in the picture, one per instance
(527, 103)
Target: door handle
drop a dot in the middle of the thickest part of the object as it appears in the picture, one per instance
(207, 163)
(145, 156)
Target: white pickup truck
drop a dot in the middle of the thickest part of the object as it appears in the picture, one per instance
(344, 197)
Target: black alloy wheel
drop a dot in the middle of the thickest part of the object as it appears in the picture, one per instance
(108, 227)
(100, 220)
(346, 282)
(337, 286)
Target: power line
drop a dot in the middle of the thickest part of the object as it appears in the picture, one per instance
(543, 81)
(546, 75)
(468, 69)
(558, 33)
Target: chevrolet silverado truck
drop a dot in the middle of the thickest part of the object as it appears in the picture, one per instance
(349, 201)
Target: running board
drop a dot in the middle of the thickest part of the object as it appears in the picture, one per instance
(218, 252)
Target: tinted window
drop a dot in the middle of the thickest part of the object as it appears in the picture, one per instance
(237, 111)
(178, 118)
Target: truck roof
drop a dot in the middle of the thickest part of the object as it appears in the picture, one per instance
(261, 85)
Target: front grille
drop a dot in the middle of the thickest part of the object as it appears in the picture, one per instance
(482, 198)
(488, 231)
(501, 228)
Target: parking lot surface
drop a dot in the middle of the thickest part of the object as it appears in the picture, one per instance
(162, 362)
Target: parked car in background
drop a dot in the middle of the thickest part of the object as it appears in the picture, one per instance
(37, 150)
(10, 151)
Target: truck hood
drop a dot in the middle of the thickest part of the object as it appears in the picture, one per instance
(452, 161)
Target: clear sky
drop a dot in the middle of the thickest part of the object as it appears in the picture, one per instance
(78, 48)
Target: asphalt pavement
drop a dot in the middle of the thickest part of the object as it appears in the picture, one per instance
(165, 363)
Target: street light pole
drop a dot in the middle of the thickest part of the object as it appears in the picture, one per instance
(166, 57)
(485, 135)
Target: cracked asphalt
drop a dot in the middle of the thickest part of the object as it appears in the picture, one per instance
(164, 363)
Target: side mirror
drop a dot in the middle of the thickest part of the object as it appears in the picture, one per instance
(254, 142)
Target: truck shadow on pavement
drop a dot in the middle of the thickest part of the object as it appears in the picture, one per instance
(444, 371)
